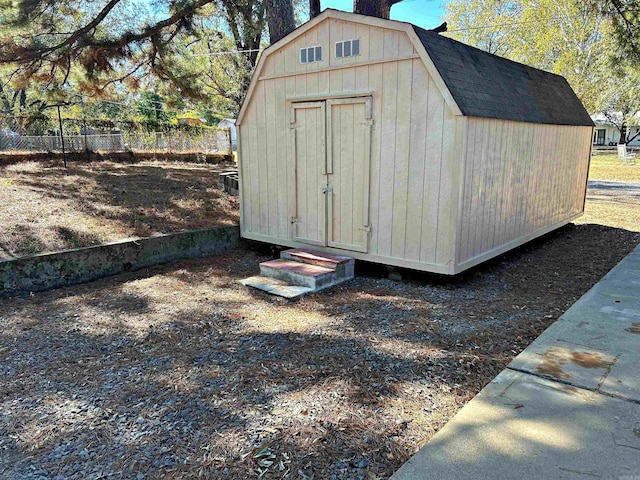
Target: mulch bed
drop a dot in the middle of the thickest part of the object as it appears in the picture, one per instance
(179, 372)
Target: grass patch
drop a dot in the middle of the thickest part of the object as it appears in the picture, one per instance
(609, 167)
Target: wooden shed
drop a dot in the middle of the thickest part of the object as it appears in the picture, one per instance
(393, 144)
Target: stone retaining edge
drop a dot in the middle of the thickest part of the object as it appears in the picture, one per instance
(46, 271)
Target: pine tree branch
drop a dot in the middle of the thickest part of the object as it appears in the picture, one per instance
(30, 55)
(88, 42)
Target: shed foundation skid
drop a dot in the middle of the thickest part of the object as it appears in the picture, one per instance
(301, 271)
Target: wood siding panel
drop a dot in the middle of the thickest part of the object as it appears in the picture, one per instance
(376, 43)
(387, 122)
(271, 133)
(335, 35)
(433, 167)
(278, 62)
(417, 154)
(520, 179)
(348, 33)
(449, 186)
(375, 85)
(263, 162)
(405, 47)
(362, 33)
(390, 46)
(465, 224)
(282, 132)
(401, 158)
(290, 172)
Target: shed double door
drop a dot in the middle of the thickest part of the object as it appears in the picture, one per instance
(332, 156)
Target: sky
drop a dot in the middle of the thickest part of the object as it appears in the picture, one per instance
(424, 13)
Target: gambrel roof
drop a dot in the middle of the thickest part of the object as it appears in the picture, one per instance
(472, 81)
(489, 86)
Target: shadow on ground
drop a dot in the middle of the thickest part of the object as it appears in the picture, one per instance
(178, 371)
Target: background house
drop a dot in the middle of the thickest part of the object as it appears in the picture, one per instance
(230, 123)
(607, 134)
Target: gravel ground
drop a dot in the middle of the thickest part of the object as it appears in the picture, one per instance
(180, 372)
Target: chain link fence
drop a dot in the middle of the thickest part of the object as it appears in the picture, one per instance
(208, 141)
(119, 138)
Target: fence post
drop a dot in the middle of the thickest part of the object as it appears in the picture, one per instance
(64, 154)
(84, 125)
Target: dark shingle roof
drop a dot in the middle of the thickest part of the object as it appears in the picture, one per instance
(485, 85)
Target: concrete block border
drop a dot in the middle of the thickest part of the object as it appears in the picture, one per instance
(69, 267)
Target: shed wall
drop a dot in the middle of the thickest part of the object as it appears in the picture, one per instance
(413, 192)
(521, 180)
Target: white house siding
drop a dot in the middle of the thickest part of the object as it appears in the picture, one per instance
(231, 125)
(520, 181)
(612, 135)
(412, 198)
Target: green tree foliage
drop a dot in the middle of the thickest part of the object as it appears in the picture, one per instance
(625, 21)
(151, 109)
(22, 109)
(219, 67)
(620, 100)
(476, 23)
(20, 112)
(569, 38)
(97, 45)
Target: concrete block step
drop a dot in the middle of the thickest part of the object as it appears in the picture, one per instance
(342, 265)
(301, 271)
(275, 286)
(297, 273)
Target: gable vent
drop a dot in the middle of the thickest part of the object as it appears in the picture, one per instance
(348, 48)
(311, 54)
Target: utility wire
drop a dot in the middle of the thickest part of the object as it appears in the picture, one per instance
(230, 52)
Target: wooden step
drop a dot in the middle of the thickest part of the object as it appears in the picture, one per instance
(343, 265)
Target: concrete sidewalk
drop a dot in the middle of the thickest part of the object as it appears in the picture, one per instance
(567, 407)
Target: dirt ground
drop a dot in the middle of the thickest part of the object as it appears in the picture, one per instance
(45, 207)
(180, 372)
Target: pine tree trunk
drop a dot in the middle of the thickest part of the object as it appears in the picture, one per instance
(280, 19)
(373, 8)
(314, 8)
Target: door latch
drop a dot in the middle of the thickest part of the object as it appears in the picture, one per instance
(326, 190)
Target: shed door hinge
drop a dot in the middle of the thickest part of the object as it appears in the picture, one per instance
(366, 228)
(368, 122)
(293, 126)
(294, 220)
